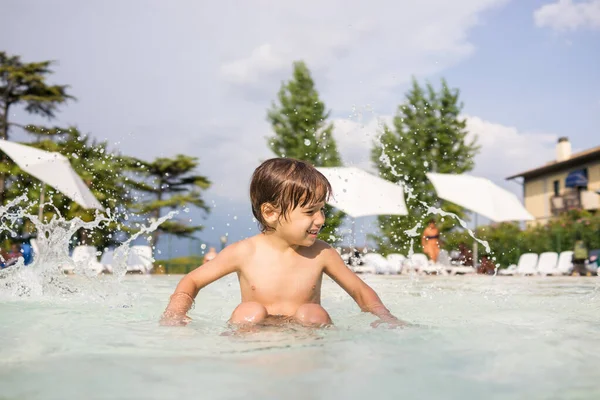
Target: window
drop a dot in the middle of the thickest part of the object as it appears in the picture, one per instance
(556, 188)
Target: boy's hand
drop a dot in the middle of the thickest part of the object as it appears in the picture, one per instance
(174, 320)
(391, 322)
(175, 314)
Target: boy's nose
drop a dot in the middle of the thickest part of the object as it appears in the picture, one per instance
(320, 219)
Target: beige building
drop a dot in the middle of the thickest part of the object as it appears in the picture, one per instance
(572, 181)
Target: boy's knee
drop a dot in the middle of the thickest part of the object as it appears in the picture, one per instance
(313, 315)
(248, 313)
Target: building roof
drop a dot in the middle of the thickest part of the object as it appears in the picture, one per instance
(574, 161)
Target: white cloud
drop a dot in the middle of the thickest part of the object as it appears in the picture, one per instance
(505, 150)
(360, 51)
(565, 15)
(263, 60)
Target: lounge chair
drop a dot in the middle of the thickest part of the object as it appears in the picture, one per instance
(396, 262)
(416, 262)
(565, 262)
(377, 263)
(440, 267)
(527, 266)
(548, 264)
(86, 260)
(140, 259)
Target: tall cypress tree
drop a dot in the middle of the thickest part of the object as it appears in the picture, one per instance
(428, 135)
(301, 131)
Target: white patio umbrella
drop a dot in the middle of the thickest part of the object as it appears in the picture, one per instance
(52, 169)
(481, 196)
(360, 194)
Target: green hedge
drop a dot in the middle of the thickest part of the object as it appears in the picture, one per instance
(180, 265)
(508, 241)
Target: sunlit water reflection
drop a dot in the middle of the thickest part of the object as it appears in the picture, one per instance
(477, 337)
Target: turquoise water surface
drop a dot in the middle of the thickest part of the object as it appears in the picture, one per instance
(474, 337)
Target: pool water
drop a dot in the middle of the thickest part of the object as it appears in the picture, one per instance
(474, 337)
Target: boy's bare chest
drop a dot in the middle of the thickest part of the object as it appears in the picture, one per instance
(274, 282)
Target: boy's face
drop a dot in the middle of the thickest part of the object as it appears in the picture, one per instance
(303, 224)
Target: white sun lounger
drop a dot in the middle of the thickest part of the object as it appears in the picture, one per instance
(140, 259)
(416, 262)
(565, 262)
(86, 260)
(527, 266)
(548, 264)
(377, 262)
(440, 267)
(396, 262)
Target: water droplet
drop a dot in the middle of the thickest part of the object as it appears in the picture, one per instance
(307, 142)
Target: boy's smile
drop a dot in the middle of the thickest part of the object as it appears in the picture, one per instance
(313, 232)
(303, 224)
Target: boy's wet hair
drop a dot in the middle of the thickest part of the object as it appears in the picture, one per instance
(286, 183)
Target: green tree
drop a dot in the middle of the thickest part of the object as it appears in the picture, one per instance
(170, 183)
(24, 84)
(428, 135)
(301, 131)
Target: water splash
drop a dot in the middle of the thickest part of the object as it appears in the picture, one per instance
(121, 253)
(45, 276)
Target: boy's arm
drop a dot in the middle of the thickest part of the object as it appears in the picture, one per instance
(226, 262)
(363, 294)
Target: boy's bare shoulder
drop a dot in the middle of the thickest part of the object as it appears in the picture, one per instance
(322, 248)
(321, 245)
(240, 251)
(245, 247)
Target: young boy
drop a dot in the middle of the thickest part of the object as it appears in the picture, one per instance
(281, 269)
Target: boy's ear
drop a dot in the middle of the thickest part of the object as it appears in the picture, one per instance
(270, 213)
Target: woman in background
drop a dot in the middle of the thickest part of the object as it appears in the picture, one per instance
(431, 240)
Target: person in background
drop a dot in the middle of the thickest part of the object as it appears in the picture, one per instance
(487, 266)
(212, 253)
(580, 255)
(431, 240)
(465, 256)
(13, 255)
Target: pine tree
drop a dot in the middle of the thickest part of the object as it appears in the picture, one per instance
(428, 135)
(301, 131)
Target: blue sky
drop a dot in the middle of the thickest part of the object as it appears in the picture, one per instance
(159, 78)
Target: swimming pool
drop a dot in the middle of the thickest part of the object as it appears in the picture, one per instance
(477, 337)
